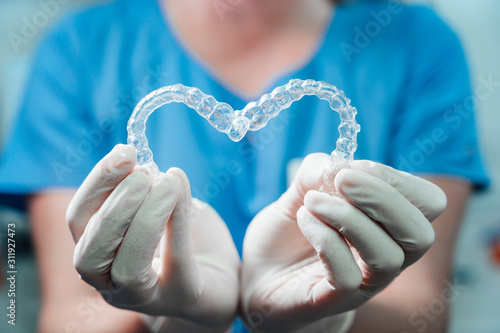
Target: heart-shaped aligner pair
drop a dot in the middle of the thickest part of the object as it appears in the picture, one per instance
(253, 117)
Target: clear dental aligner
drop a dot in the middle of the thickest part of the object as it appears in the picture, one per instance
(253, 117)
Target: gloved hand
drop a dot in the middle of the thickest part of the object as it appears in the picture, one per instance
(118, 219)
(310, 256)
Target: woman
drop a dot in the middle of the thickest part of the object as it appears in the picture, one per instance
(404, 71)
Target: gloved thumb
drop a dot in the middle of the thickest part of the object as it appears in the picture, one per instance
(308, 177)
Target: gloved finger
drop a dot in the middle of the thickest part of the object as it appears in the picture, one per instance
(404, 222)
(342, 273)
(310, 173)
(178, 242)
(132, 267)
(96, 249)
(382, 257)
(98, 185)
(426, 196)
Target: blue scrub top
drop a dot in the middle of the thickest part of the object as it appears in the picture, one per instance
(401, 66)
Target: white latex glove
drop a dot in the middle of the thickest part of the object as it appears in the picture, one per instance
(311, 256)
(118, 220)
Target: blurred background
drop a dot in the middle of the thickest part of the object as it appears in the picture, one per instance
(476, 307)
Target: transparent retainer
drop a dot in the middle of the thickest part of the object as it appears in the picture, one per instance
(252, 118)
